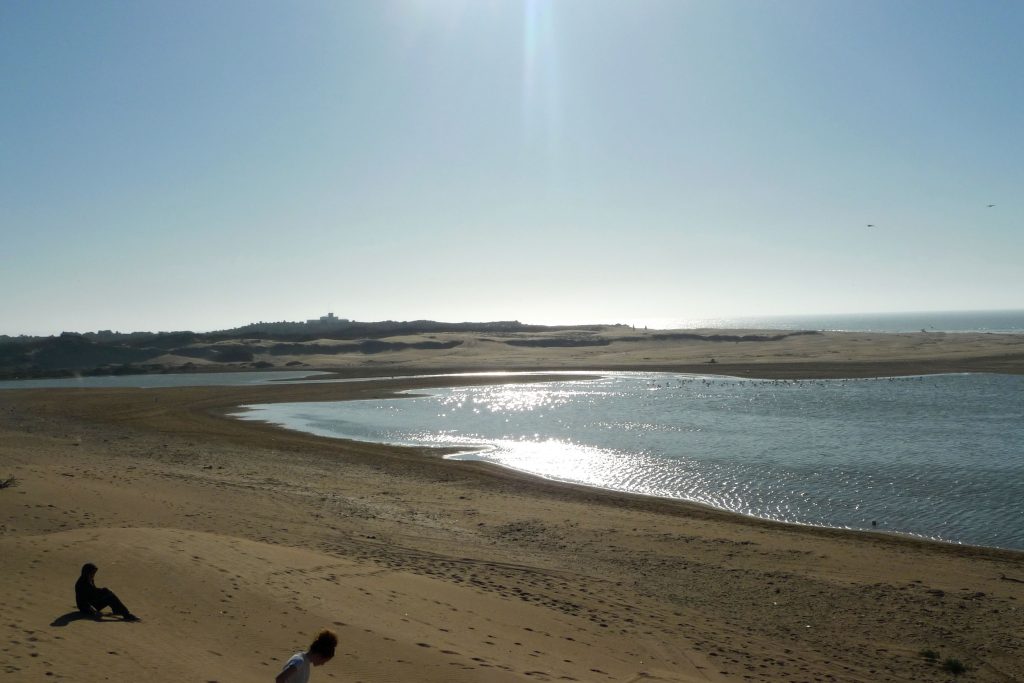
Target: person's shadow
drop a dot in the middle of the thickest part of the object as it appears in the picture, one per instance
(76, 615)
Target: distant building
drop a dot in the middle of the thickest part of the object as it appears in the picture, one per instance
(329, 319)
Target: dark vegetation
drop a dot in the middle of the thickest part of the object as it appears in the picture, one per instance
(365, 346)
(954, 666)
(949, 664)
(113, 353)
(661, 336)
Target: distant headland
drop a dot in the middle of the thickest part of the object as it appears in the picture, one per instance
(106, 352)
(355, 348)
(329, 342)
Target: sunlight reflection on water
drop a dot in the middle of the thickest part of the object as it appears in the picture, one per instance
(935, 456)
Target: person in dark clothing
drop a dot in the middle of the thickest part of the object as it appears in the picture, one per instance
(92, 600)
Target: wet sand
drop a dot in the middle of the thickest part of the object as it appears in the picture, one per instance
(236, 541)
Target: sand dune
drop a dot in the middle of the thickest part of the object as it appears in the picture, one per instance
(757, 353)
(222, 608)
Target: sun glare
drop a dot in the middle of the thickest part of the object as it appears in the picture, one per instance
(539, 70)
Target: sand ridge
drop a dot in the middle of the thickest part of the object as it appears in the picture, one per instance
(754, 353)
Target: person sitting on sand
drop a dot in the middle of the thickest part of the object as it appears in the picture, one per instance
(91, 600)
(297, 669)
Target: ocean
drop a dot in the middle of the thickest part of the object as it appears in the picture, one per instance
(939, 457)
(996, 322)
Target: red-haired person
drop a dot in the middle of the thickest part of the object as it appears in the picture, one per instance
(296, 669)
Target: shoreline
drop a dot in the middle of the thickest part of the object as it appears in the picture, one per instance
(549, 580)
(295, 392)
(450, 453)
(744, 517)
(1008, 364)
(487, 469)
(455, 453)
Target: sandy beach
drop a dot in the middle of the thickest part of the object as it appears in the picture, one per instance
(236, 541)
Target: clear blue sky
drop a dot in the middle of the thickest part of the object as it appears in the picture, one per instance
(199, 165)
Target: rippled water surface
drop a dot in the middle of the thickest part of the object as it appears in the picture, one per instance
(939, 456)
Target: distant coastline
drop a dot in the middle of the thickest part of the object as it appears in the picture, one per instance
(994, 322)
(770, 347)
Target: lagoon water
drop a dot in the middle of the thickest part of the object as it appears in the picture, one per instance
(938, 456)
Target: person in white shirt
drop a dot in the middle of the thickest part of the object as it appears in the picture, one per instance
(296, 669)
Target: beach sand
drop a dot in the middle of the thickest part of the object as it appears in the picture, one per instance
(236, 541)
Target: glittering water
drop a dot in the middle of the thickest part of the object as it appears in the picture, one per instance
(938, 456)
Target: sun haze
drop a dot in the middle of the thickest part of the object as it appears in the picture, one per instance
(195, 165)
